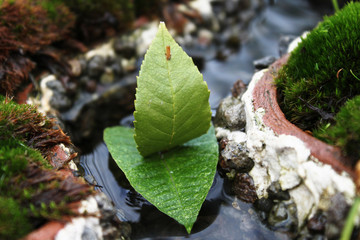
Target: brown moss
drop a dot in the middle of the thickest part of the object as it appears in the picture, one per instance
(26, 27)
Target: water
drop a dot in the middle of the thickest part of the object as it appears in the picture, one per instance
(286, 17)
(222, 216)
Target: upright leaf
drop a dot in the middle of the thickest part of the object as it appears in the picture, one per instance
(172, 100)
(177, 181)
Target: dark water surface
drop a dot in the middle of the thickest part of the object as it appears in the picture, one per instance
(222, 216)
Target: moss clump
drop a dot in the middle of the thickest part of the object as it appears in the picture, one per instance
(345, 133)
(31, 191)
(316, 81)
(13, 221)
(23, 122)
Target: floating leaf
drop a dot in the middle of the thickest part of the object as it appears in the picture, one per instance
(172, 100)
(177, 181)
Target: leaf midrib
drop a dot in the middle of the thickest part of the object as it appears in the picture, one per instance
(172, 94)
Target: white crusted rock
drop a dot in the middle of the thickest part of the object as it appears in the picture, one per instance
(286, 159)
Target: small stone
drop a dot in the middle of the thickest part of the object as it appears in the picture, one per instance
(283, 217)
(244, 188)
(264, 204)
(127, 49)
(233, 42)
(96, 66)
(108, 76)
(91, 86)
(75, 67)
(238, 89)
(264, 62)
(231, 114)
(236, 157)
(276, 193)
(317, 223)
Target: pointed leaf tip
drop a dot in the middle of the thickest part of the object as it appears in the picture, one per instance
(172, 100)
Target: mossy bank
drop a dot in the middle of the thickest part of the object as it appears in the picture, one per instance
(321, 76)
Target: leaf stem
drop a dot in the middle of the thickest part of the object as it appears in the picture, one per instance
(349, 224)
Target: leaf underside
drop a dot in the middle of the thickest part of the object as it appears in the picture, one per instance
(176, 182)
(172, 100)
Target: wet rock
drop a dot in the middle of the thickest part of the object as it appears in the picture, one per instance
(244, 188)
(112, 221)
(336, 216)
(108, 76)
(76, 68)
(264, 204)
(96, 66)
(125, 48)
(231, 114)
(102, 108)
(91, 86)
(276, 193)
(238, 89)
(317, 223)
(233, 42)
(237, 157)
(264, 62)
(54, 94)
(282, 217)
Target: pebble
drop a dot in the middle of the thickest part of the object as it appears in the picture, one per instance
(96, 66)
(317, 223)
(282, 217)
(244, 188)
(264, 62)
(231, 114)
(237, 157)
(276, 193)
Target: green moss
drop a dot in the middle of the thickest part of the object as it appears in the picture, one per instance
(345, 133)
(29, 186)
(317, 81)
(13, 220)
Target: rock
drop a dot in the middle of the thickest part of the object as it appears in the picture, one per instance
(286, 159)
(125, 47)
(76, 68)
(236, 157)
(264, 62)
(283, 217)
(108, 76)
(96, 66)
(317, 223)
(264, 204)
(276, 193)
(53, 94)
(336, 216)
(238, 89)
(244, 188)
(230, 114)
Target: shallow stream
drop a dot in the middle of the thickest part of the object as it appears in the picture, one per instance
(222, 215)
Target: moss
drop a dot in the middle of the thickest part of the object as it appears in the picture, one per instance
(317, 81)
(345, 133)
(23, 122)
(13, 221)
(31, 191)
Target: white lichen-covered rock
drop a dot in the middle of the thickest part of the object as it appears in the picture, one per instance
(83, 227)
(286, 159)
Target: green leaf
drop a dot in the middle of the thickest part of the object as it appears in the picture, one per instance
(172, 100)
(177, 181)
